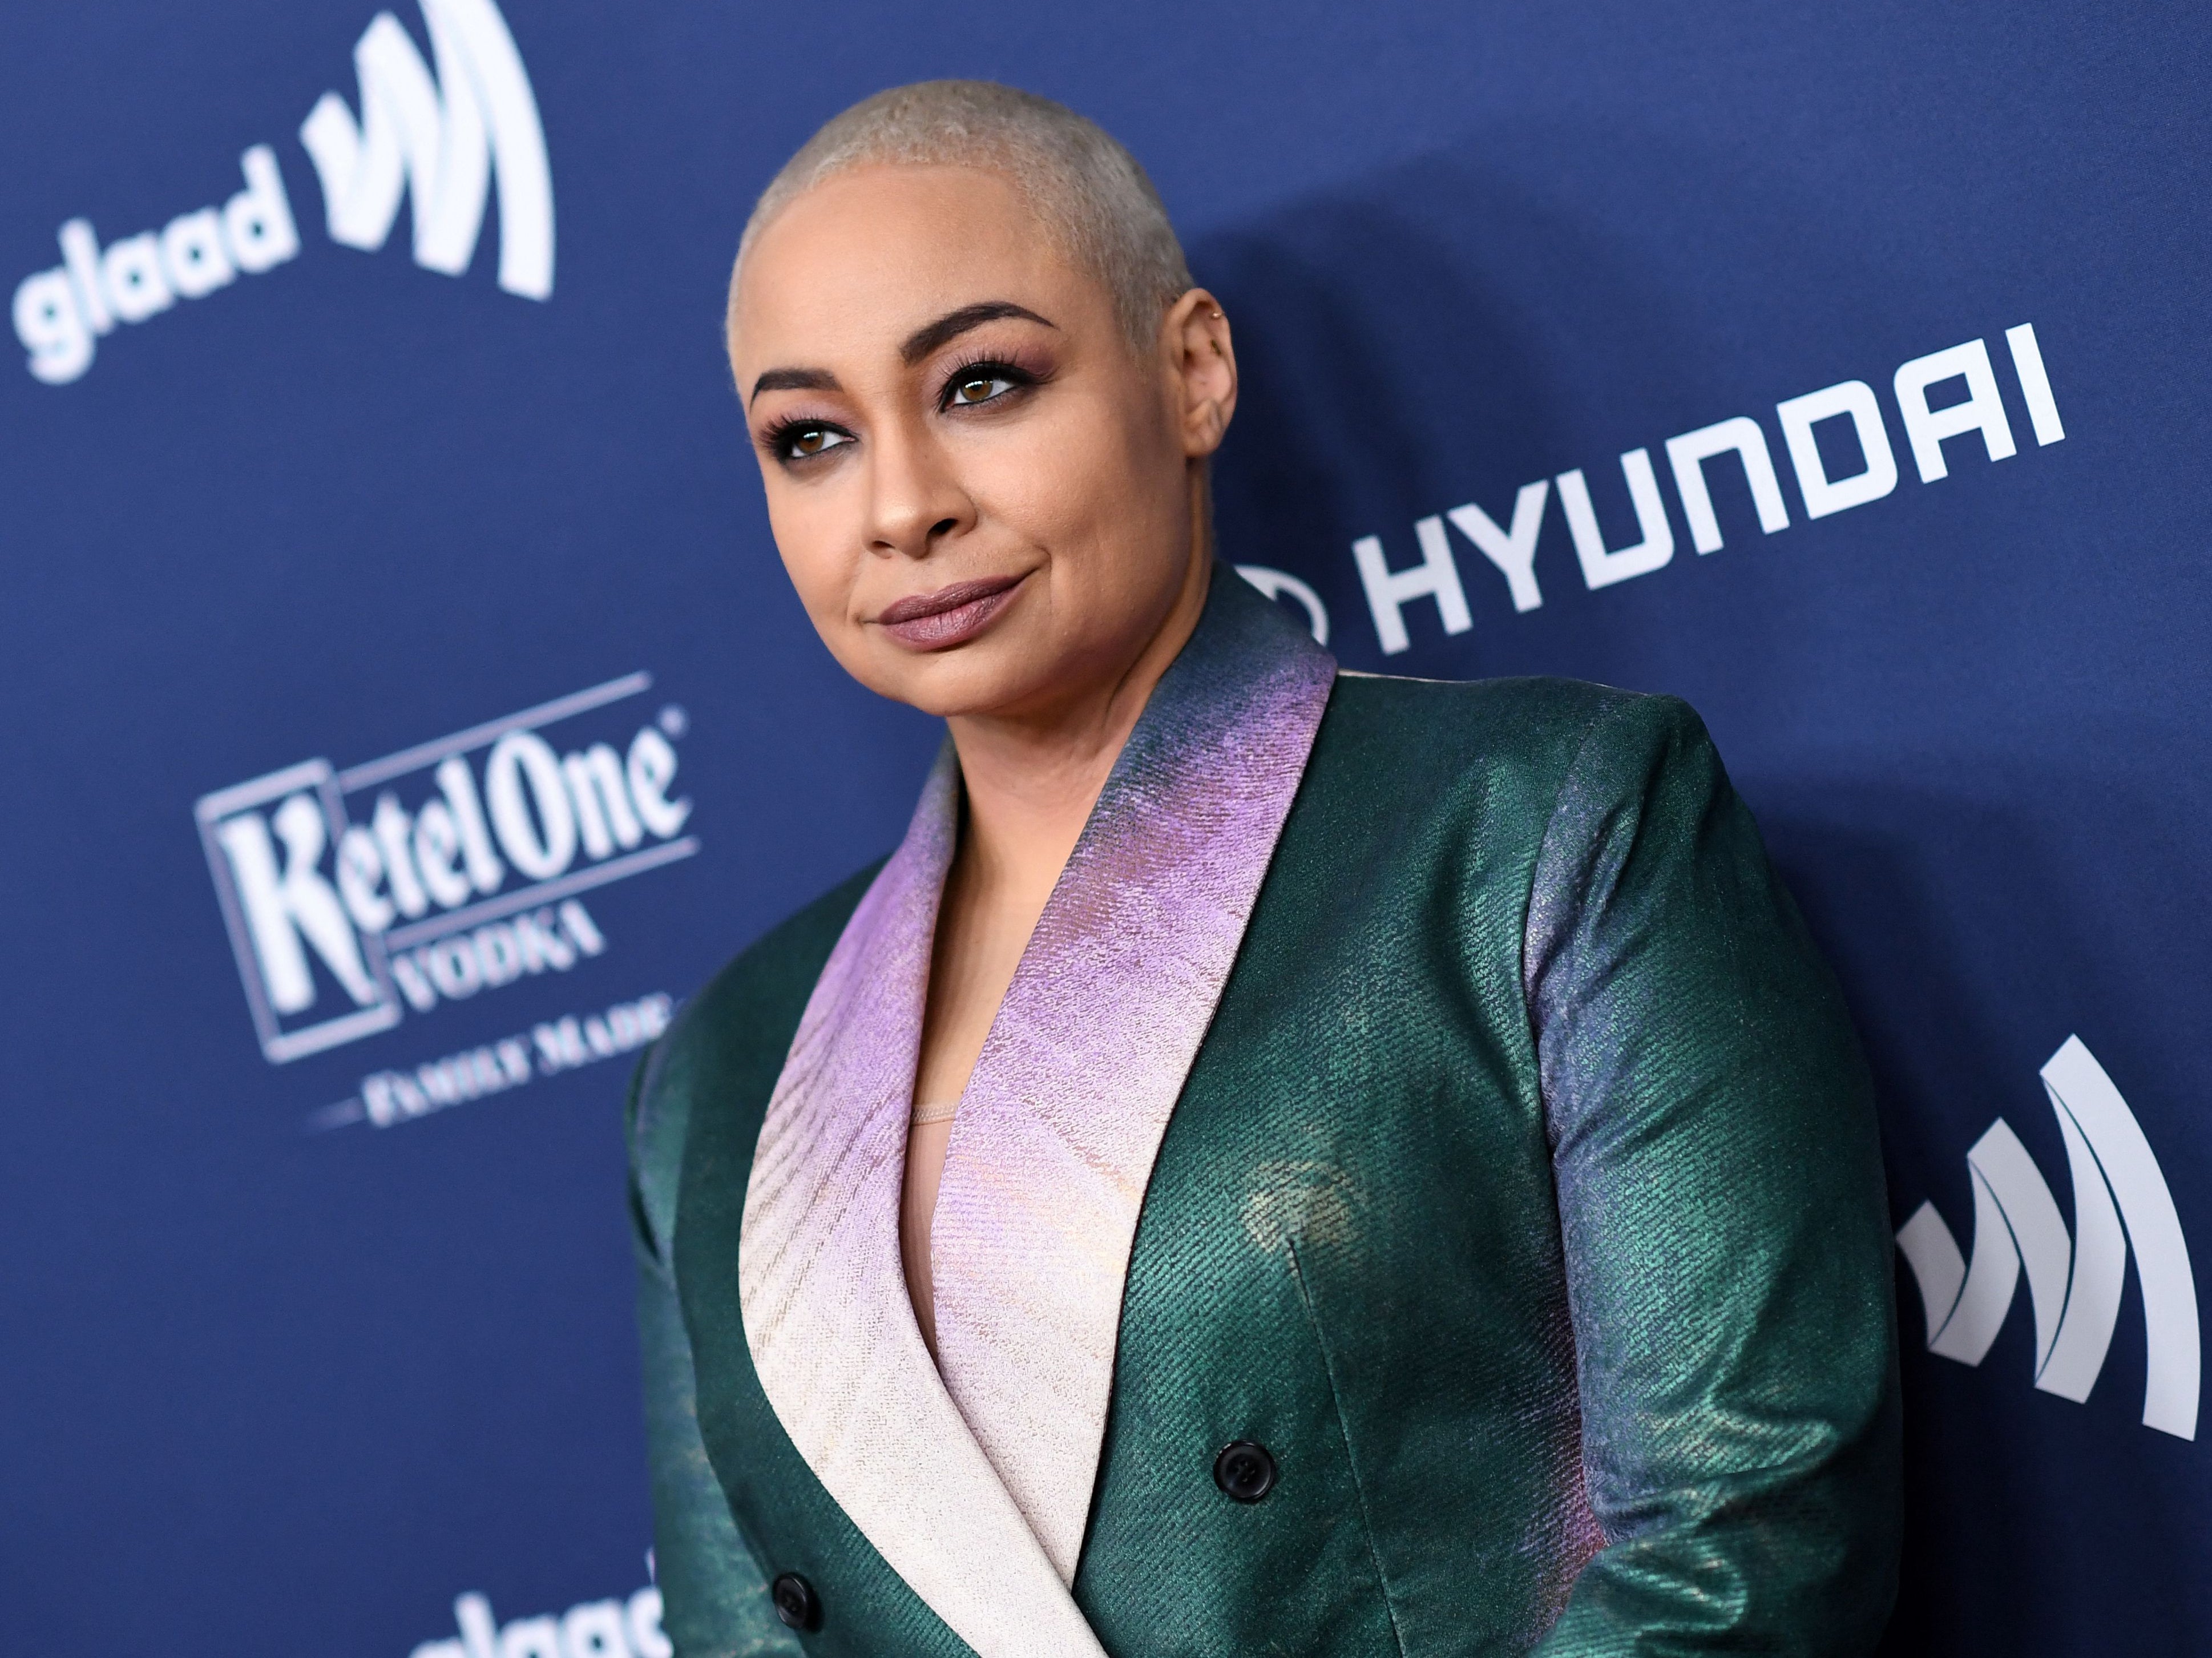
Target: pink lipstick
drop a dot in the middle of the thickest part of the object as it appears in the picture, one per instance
(950, 615)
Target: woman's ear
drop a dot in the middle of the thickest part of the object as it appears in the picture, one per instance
(1203, 363)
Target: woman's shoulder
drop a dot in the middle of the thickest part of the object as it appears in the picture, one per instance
(1537, 728)
(727, 1044)
(737, 1031)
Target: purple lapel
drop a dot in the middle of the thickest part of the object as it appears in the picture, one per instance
(975, 1484)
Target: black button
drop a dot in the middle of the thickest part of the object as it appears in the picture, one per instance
(794, 1600)
(1244, 1471)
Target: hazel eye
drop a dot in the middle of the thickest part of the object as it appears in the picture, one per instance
(802, 442)
(973, 389)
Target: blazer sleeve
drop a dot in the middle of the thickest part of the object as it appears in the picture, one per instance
(714, 1596)
(1721, 1207)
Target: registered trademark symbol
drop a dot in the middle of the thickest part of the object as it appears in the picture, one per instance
(674, 721)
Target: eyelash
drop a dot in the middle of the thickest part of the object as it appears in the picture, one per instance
(783, 434)
(780, 437)
(1017, 378)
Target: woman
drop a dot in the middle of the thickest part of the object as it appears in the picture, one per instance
(1275, 1160)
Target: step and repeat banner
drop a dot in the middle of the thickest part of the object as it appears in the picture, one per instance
(407, 710)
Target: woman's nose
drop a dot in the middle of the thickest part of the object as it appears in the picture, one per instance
(916, 498)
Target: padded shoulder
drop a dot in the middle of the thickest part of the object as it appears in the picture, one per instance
(1500, 744)
(1528, 713)
(737, 1032)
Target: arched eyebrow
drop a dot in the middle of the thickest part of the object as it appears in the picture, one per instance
(950, 326)
(795, 379)
(916, 346)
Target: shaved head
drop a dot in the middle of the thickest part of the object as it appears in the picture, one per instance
(1088, 192)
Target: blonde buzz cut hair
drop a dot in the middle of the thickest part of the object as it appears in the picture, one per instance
(1090, 194)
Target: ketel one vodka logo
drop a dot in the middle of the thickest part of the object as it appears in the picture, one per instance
(2121, 1204)
(447, 869)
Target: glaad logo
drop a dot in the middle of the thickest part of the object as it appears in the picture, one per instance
(440, 138)
(414, 906)
(597, 1628)
(2120, 1200)
(59, 314)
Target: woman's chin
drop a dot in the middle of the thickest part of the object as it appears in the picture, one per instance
(984, 679)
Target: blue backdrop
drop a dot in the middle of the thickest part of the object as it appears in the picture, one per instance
(406, 705)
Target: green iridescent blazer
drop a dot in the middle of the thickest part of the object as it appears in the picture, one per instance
(1431, 1085)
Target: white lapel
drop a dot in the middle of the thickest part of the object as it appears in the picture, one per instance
(975, 1485)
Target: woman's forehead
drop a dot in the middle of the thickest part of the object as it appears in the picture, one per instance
(859, 260)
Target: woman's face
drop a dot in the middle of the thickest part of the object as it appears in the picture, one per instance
(989, 505)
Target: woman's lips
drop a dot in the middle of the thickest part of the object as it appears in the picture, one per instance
(950, 615)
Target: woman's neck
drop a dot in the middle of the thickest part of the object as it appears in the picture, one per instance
(1031, 782)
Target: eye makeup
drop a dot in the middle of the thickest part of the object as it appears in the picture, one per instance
(796, 438)
(986, 378)
(980, 380)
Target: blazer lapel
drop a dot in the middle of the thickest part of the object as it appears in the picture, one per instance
(827, 1319)
(1048, 1159)
(974, 1481)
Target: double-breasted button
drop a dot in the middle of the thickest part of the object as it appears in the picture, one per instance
(1244, 1471)
(796, 1603)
